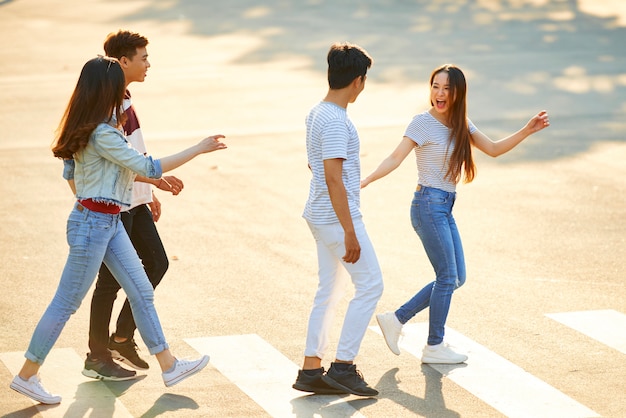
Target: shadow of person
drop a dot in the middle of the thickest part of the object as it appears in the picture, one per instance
(433, 403)
(329, 406)
(94, 397)
(169, 402)
(31, 411)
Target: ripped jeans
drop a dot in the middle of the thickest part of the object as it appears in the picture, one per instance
(431, 217)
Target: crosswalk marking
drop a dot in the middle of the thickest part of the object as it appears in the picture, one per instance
(61, 375)
(607, 326)
(266, 376)
(495, 380)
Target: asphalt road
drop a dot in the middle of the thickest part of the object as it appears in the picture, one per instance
(543, 226)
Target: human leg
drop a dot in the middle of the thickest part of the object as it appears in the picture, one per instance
(367, 279)
(87, 235)
(126, 267)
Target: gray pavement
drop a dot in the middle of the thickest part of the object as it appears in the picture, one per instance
(543, 226)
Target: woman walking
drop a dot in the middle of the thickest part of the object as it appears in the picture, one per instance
(105, 168)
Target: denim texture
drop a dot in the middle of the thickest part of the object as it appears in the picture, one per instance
(140, 226)
(95, 238)
(432, 220)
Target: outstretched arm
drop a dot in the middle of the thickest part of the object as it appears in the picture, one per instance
(504, 145)
(209, 144)
(391, 162)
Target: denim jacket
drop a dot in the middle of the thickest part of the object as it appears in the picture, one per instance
(105, 169)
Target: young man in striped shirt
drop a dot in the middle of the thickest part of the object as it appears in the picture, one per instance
(333, 214)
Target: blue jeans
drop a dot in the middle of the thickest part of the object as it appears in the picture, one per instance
(431, 216)
(145, 238)
(95, 238)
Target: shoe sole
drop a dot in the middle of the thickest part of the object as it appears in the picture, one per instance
(333, 383)
(95, 375)
(382, 329)
(318, 391)
(26, 392)
(188, 373)
(428, 360)
(115, 355)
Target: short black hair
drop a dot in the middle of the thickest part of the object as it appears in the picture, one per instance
(346, 62)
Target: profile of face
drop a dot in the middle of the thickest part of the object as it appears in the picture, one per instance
(440, 93)
(136, 68)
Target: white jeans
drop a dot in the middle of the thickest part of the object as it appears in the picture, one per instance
(367, 279)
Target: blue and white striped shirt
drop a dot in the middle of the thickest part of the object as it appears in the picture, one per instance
(432, 151)
(330, 134)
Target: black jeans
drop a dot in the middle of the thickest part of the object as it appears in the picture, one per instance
(143, 234)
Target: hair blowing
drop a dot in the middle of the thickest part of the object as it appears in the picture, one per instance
(461, 160)
(98, 93)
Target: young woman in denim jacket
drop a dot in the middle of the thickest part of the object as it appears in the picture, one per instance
(105, 168)
(442, 139)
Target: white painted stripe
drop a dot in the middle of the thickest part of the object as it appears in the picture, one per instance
(495, 380)
(266, 376)
(61, 375)
(607, 326)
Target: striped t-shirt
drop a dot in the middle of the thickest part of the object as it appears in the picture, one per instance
(432, 151)
(330, 134)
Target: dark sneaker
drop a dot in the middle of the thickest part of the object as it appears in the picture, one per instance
(106, 370)
(350, 380)
(126, 353)
(314, 383)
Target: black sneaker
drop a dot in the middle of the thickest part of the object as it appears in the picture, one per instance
(126, 352)
(106, 370)
(350, 380)
(314, 383)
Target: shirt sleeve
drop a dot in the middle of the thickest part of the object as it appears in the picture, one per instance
(112, 145)
(416, 131)
(68, 169)
(472, 128)
(335, 140)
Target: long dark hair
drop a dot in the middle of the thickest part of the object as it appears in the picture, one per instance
(461, 160)
(98, 94)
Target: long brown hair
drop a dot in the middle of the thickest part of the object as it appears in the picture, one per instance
(461, 160)
(98, 94)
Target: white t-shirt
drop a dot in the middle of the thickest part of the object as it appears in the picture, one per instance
(142, 192)
(330, 134)
(433, 150)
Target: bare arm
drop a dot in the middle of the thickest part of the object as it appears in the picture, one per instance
(209, 144)
(72, 186)
(504, 145)
(391, 162)
(339, 199)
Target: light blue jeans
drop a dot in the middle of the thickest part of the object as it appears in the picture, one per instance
(431, 216)
(95, 238)
(367, 279)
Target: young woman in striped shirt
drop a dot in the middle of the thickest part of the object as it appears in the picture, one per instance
(442, 138)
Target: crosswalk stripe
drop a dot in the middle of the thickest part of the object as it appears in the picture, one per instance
(266, 376)
(606, 326)
(61, 375)
(495, 380)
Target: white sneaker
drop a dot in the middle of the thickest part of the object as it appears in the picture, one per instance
(34, 390)
(441, 354)
(391, 329)
(183, 369)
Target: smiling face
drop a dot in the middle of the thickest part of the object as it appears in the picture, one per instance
(136, 68)
(440, 96)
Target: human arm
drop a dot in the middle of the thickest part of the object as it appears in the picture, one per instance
(167, 183)
(72, 186)
(209, 144)
(155, 208)
(339, 199)
(502, 146)
(391, 162)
